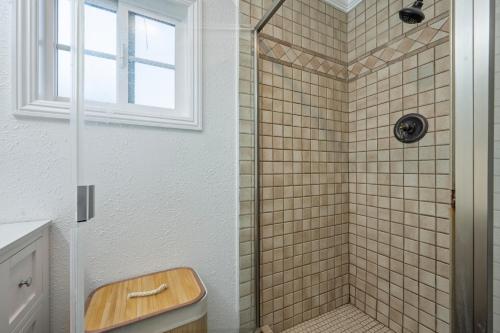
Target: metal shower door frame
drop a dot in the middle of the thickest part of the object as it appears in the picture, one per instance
(473, 80)
(255, 35)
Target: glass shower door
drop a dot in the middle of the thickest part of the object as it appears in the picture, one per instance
(126, 82)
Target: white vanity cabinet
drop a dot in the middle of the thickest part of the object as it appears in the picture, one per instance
(24, 277)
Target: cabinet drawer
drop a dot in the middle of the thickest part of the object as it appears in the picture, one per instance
(25, 281)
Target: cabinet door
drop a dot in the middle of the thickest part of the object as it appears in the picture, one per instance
(37, 323)
(25, 281)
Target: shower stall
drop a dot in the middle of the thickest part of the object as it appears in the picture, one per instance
(366, 166)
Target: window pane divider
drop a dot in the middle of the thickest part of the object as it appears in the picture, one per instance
(151, 62)
(89, 52)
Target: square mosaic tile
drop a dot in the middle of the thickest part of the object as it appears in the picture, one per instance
(346, 319)
(349, 214)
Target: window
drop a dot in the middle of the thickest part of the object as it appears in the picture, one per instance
(100, 52)
(142, 63)
(151, 64)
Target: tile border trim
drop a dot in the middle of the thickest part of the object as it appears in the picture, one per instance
(435, 32)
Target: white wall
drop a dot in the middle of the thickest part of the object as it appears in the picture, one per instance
(166, 198)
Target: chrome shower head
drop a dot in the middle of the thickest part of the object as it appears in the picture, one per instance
(412, 14)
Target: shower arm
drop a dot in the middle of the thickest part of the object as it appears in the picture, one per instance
(418, 3)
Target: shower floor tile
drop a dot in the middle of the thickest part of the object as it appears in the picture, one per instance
(347, 318)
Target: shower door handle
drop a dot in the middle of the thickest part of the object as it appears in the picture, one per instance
(85, 210)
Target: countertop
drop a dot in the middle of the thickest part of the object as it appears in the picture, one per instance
(12, 233)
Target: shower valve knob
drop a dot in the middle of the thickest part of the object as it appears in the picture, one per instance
(411, 128)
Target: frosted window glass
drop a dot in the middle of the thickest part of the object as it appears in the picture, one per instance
(100, 79)
(154, 40)
(100, 36)
(151, 62)
(100, 30)
(100, 27)
(63, 73)
(64, 22)
(154, 86)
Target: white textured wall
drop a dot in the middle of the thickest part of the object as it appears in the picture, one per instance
(165, 197)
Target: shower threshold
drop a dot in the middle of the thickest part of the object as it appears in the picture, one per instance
(346, 318)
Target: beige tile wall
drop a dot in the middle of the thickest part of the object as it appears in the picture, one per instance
(373, 23)
(312, 25)
(304, 208)
(333, 85)
(319, 29)
(304, 164)
(400, 193)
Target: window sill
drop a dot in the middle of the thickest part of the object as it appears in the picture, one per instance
(61, 110)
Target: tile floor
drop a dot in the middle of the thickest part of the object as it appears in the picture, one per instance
(347, 318)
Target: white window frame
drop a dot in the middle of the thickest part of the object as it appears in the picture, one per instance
(188, 111)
